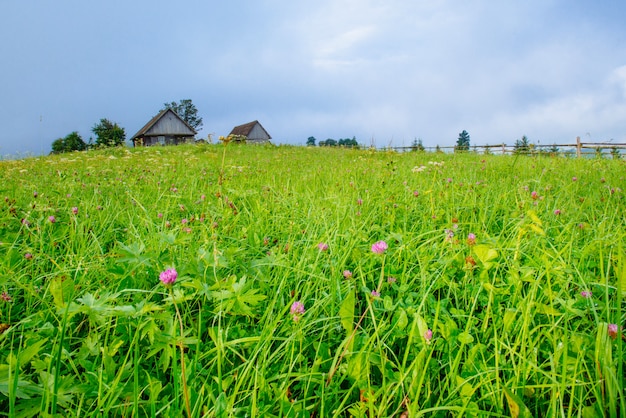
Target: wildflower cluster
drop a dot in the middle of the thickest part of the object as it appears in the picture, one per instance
(297, 310)
(168, 277)
(379, 247)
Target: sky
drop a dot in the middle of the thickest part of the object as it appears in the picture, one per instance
(386, 72)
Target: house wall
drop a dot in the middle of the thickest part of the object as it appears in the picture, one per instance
(257, 134)
(169, 125)
(164, 140)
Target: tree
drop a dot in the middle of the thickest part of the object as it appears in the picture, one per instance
(108, 134)
(328, 143)
(311, 141)
(58, 146)
(348, 143)
(463, 143)
(615, 153)
(599, 152)
(418, 145)
(187, 111)
(521, 146)
(72, 142)
(553, 150)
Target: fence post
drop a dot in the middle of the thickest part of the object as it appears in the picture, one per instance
(503, 149)
(578, 147)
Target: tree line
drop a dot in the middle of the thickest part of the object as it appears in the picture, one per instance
(110, 134)
(330, 142)
(463, 143)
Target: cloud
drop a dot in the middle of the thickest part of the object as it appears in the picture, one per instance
(338, 52)
(391, 70)
(596, 110)
(618, 78)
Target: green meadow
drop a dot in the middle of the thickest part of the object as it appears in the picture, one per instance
(261, 281)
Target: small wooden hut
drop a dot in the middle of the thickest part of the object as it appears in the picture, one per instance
(166, 128)
(253, 131)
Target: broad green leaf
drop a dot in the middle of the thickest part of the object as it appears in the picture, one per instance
(466, 338)
(464, 388)
(448, 328)
(534, 218)
(497, 290)
(485, 253)
(221, 405)
(489, 287)
(168, 238)
(61, 290)
(537, 229)
(396, 236)
(134, 254)
(123, 310)
(237, 298)
(346, 312)
(509, 319)
(248, 300)
(25, 388)
(154, 387)
(388, 303)
(144, 307)
(25, 355)
(150, 329)
(528, 274)
(358, 367)
(239, 286)
(91, 345)
(97, 309)
(516, 405)
(535, 224)
(65, 385)
(422, 326)
(592, 411)
(401, 319)
(546, 309)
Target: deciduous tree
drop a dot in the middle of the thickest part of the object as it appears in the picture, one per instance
(328, 143)
(187, 111)
(347, 142)
(109, 134)
(72, 142)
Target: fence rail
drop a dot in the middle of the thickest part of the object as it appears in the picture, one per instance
(503, 149)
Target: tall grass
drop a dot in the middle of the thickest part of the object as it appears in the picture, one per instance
(522, 318)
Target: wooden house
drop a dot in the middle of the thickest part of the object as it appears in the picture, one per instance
(253, 131)
(166, 128)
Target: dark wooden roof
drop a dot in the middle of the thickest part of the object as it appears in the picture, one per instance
(246, 128)
(143, 131)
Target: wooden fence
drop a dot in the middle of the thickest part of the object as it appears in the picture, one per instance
(578, 147)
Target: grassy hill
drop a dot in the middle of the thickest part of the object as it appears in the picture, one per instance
(244, 281)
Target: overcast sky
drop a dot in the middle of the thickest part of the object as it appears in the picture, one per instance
(383, 71)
